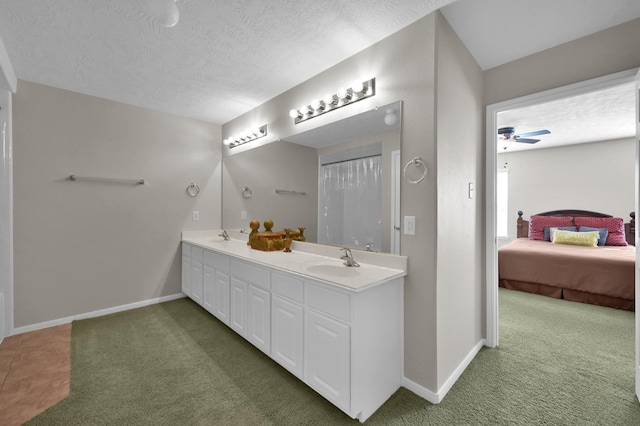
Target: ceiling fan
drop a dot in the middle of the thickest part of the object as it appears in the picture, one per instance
(509, 134)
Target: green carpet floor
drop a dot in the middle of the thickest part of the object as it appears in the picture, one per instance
(559, 363)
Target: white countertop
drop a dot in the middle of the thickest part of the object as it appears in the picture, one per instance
(315, 261)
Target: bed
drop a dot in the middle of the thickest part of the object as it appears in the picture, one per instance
(601, 275)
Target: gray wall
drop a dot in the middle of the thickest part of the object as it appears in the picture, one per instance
(597, 176)
(460, 155)
(84, 246)
(603, 53)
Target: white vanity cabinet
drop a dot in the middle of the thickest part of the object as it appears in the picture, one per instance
(221, 297)
(186, 269)
(327, 343)
(215, 297)
(205, 279)
(197, 254)
(287, 322)
(251, 303)
(345, 344)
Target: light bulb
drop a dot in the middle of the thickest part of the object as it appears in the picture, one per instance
(294, 113)
(357, 87)
(165, 12)
(342, 93)
(390, 117)
(227, 141)
(316, 105)
(329, 100)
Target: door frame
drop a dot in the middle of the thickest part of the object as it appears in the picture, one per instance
(6, 215)
(637, 205)
(395, 202)
(491, 243)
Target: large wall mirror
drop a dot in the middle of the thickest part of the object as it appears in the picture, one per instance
(340, 182)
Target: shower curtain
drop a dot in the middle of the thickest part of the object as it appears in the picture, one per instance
(350, 206)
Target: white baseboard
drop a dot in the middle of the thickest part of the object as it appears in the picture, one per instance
(437, 397)
(99, 313)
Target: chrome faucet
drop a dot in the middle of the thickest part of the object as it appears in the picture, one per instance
(348, 258)
(224, 235)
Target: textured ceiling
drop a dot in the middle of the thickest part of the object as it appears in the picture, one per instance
(223, 58)
(602, 115)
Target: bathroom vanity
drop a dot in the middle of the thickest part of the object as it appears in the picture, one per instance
(338, 329)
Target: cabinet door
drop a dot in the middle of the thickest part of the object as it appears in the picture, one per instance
(221, 297)
(327, 359)
(196, 280)
(259, 318)
(208, 283)
(286, 335)
(238, 307)
(186, 275)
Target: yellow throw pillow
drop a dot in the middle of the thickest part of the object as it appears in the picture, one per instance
(576, 238)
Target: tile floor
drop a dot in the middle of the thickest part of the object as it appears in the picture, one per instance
(35, 370)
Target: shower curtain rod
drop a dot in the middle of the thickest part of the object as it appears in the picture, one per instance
(351, 159)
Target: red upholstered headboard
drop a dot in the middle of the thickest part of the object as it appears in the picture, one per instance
(629, 227)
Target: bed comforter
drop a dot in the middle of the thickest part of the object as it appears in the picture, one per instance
(597, 275)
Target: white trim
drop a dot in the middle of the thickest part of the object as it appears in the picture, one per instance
(395, 202)
(6, 212)
(437, 397)
(637, 207)
(492, 111)
(99, 313)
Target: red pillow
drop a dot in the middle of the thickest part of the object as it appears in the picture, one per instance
(615, 225)
(538, 223)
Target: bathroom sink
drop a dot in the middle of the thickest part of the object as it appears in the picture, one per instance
(334, 270)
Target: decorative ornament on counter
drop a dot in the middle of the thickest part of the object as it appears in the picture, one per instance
(272, 241)
(267, 240)
(287, 240)
(254, 225)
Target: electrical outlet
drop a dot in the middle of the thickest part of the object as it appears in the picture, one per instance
(195, 215)
(409, 225)
(243, 214)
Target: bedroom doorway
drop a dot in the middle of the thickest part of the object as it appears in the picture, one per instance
(492, 111)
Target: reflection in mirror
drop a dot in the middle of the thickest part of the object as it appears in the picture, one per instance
(340, 182)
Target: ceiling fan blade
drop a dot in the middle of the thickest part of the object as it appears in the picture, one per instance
(524, 140)
(536, 133)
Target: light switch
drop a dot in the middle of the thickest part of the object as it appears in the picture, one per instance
(243, 214)
(409, 225)
(472, 189)
(195, 215)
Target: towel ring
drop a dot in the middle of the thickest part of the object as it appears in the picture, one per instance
(417, 161)
(246, 192)
(193, 189)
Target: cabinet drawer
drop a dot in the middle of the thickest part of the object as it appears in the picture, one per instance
(328, 301)
(287, 286)
(252, 274)
(197, 253)
(216, 261)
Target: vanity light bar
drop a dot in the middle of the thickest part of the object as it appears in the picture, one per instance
(246, 136)
(345, 96)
